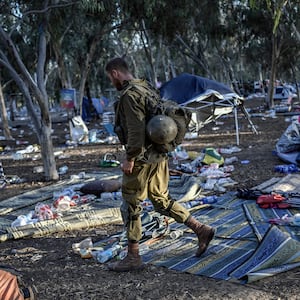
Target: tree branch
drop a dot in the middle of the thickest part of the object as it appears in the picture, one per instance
(10, 46)
(40, 11)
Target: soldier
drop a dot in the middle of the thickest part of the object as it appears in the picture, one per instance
(145, 171)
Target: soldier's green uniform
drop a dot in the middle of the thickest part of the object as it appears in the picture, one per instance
(150, 176)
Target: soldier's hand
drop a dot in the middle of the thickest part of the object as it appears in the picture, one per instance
(127, 166)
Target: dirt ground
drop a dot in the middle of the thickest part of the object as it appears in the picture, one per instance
(57, 273)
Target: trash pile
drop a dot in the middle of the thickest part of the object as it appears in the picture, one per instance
(209, 165)
(154, 226)
(62, 201)
(74, 198)
(287, 220)
(20, 154)
(275, 200)
(80, 134)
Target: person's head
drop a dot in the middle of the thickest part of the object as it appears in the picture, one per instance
(117, 70)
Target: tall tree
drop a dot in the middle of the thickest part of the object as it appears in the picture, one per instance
(274, 10)
(4, 116)
(95, 20)
(32, 84)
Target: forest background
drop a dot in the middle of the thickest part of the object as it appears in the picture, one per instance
(53, 44)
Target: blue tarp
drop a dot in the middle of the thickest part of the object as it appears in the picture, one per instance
(187, 86)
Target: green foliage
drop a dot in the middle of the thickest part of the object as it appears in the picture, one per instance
(92, 6)
(207, 37)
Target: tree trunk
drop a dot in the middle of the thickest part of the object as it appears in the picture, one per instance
(171, 65)
(86, 70)
(47, 152)
(147, 43)
(201, 61)
(43, 130)
(11, 107)
(29, 87)
(56, 43)
(296, 83)
(62, 73)
(4, 117)
(275, 53)
(41, 96)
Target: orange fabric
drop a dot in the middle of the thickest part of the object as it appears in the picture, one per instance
(9, 289)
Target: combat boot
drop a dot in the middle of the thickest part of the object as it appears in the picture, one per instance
(131, 262)
(204, 233)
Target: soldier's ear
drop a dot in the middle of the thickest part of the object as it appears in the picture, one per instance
(114, 73)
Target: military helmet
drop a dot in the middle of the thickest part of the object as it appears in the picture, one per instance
(162, 129)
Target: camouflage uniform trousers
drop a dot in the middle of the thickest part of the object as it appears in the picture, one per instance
(148, 181)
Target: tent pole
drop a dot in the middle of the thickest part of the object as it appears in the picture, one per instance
(236, 124)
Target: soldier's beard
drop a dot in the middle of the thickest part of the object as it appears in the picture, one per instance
(117, 83)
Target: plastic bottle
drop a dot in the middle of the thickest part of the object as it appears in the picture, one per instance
(230, 160)
(296, 220)
(176, 234)
(197, 162)
(208, 199)
(85, 244)
(227, 168)
(38, 169)
(63, 170)
(19, 221)
(245, 162)
(93, 136)
(192, 203)
(143, 248)
(286, 169)
(229, 150)
(106, 255)
(17, 156)
(187, 205)
(111, 196)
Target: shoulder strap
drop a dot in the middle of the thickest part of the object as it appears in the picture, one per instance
(141, 88)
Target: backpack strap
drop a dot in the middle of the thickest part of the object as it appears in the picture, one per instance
(139, 88)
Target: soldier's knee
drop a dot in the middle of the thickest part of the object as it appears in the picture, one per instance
(164, 209)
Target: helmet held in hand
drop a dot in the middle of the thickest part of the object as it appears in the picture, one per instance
(162, 129)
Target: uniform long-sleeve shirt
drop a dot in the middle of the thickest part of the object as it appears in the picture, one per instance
(131, 116)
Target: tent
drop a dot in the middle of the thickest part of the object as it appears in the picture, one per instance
(93, 107)
(208, 99)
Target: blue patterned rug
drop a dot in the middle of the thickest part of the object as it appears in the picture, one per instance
(246, 246)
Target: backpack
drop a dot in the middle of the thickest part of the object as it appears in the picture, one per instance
(156, 106)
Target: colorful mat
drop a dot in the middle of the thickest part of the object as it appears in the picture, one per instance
(246, 246)
(83, 216)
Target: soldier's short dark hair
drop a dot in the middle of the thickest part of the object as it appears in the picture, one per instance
(117, 63)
